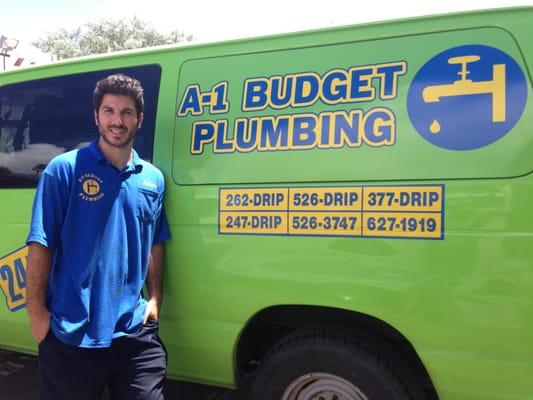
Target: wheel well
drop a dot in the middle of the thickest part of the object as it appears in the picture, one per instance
(270, 325)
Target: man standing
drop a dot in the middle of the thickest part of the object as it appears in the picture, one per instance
(96, 239)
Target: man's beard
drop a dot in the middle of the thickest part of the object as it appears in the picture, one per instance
(104, 137)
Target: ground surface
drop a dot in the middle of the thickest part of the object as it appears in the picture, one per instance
(18, 381)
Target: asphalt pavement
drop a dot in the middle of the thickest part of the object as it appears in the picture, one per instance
(18, 381)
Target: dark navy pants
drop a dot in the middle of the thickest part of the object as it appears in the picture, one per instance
(134, 367)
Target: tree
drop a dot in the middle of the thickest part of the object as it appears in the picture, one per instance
(105, 36)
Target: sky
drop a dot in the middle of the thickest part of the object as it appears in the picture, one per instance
(212, 20)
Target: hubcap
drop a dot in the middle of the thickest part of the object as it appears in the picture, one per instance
(322, 386)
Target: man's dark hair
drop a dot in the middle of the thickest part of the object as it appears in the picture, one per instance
(119, 84)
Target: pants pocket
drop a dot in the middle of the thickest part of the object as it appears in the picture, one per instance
(46, 337)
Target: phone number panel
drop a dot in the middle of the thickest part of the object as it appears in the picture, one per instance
(325, 224)
(409, 211)
(269, 223)
(405, 225)
(261, 199)
(326, 199)
(403, 198)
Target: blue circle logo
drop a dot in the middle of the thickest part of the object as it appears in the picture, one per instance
(467, 97)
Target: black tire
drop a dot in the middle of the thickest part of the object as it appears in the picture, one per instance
(331, 365)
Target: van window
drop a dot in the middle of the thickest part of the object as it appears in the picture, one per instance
(43, 118)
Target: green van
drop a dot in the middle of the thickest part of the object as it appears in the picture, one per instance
(350, 207)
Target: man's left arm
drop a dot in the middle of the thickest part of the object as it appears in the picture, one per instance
(154, 275)
(154, 282)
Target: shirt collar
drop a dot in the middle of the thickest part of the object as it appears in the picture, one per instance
(134, 165)
(96, 152)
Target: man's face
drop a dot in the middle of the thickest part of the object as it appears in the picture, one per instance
(117, 120)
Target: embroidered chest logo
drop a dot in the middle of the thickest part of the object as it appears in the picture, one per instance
(91, 187)
(149, 184)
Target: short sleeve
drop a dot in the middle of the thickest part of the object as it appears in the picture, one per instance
(48, 211)
(162, 232)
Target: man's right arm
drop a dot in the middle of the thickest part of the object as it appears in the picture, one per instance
(48, 213)
(37, 273)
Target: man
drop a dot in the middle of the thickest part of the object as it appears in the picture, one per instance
(96, 238)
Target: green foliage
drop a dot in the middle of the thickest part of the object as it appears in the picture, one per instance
(106, 36)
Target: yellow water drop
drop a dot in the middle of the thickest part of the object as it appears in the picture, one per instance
(434, 127)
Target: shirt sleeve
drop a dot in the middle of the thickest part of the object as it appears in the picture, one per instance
(48, 211)
(162, 232)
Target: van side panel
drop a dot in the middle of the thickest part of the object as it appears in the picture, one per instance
(462, 301)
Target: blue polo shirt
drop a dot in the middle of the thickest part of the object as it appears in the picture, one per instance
(100, 224)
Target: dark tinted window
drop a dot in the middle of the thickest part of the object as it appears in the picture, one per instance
(44, 118)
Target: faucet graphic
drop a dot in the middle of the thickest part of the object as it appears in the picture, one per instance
(464, 86)
(91, 187)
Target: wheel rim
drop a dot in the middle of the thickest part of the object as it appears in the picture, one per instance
(322, 386)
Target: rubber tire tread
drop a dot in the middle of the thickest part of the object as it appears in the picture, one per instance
(371, 365)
